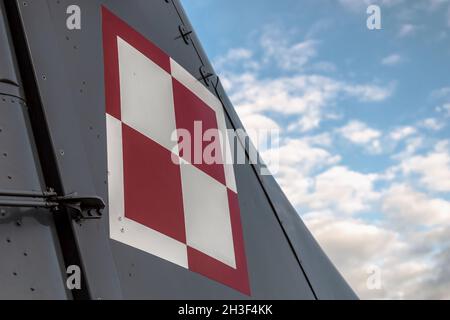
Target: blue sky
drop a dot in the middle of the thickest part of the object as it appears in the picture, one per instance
(364, 121)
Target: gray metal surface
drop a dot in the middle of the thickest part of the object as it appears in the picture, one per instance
(70, 115)
(68, 71)
(19, 165)
(9, 79)
(31, 266)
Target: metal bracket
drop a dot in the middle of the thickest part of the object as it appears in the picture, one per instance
(206, 76)
(84, 208)
(185, 33)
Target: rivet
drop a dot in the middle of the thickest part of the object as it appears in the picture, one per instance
(122, 230)
(61, 152)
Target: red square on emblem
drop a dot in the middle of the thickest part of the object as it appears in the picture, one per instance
(152, 185)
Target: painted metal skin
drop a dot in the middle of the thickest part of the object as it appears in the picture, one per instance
(53, 135)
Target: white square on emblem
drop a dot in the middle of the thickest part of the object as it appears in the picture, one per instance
(146, 96)
(207, 215)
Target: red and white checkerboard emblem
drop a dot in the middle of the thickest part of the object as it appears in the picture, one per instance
(186, 214)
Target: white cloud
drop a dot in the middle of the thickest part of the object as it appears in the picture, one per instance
(259, 127)
(412, 145)
(256, 122)
(301, 155)
(324, 66)
(323, 139)
(413, 208)
(359, 133)
(407, 29)
(346, 191)
(288, 56)
(432, 124)
(237, 57)
(441, 93)
(445, 109)
(433, 168)
(407, 261)
(357, 5)
(295, 93)
(402, 133)
(392, 60)
(349, 240)
(237, 54)
(369, 93)
(302, 95)
(298, 160)
(355, 246)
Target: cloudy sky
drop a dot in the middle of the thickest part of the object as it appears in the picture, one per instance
(364, 119)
